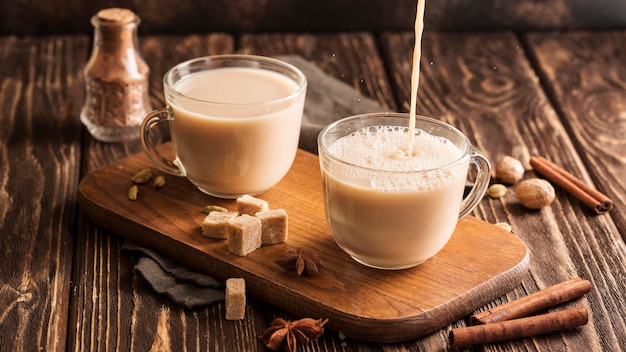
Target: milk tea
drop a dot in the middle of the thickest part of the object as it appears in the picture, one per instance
(399, 217)
(227, 141)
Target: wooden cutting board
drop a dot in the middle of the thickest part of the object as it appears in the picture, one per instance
(479, 264)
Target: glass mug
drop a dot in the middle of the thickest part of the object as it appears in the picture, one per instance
(234, 121)
(386, 209)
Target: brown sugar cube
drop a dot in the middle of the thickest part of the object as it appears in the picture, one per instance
(215, 225)
(249, 205)
(244, 235)
(273, 226)
(235, 298)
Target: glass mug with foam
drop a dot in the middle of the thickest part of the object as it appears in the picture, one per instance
(389, 207)
(234, 121)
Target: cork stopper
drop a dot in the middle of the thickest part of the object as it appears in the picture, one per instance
(116, 15)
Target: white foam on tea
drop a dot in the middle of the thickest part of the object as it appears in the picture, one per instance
(384, 148)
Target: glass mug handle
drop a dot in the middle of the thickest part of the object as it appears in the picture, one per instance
(150, 121)
(483, 169)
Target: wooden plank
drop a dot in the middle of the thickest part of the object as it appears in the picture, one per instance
(585, 74)
(483, 84)
(40, 95)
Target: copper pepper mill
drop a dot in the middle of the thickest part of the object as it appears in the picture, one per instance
(116, 78)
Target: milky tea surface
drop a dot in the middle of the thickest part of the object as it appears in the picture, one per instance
(401, 216)
(235, 150)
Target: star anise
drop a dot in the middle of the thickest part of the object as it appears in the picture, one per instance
(302, 261)
(287, 334)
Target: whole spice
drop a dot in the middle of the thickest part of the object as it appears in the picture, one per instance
(211, 208)
(518, 328)
(496, 190)
(535, 193)
(505, 226)
(509, 170)
(133, 192)
(302, 261)
(507, 322)
(286, 334)
(534, 302)
(142, 176)
(159, 181)
(594, 199)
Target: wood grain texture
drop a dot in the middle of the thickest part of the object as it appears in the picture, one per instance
(39, 162)
(484, 85)
(587, 77)
(120, 309)
(351, 57)
(112, 309)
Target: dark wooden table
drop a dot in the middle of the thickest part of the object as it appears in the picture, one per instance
(65, 284)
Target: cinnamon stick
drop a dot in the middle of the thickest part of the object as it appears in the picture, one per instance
(518, 328)
(534, 302)
(594, 199)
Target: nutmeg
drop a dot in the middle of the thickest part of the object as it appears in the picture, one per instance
(509, 170)
(535, 193)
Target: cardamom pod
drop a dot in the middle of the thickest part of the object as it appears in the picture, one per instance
(209, 208)
(496, 190)
(505, 226)
(159, 181)
(133, 192)
(142, 176)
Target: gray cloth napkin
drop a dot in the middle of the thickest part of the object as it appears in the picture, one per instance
(187, 288)
(327, 100)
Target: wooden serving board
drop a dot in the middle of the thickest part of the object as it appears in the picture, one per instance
(479, 264)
